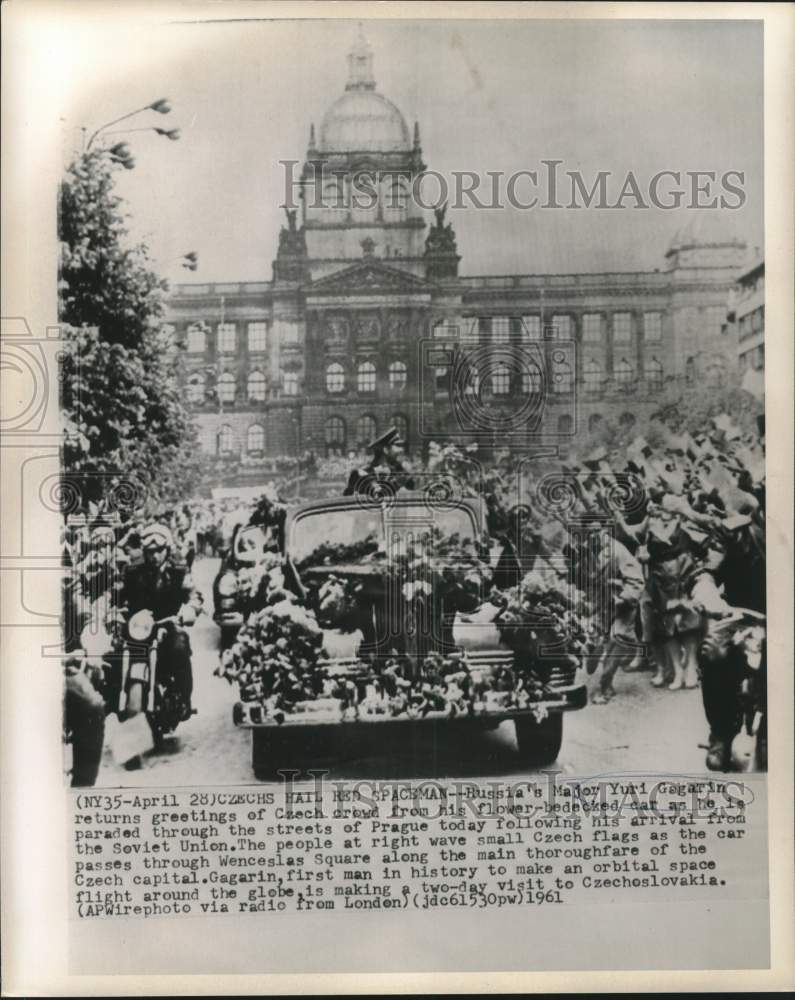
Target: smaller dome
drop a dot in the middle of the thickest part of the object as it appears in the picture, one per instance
(705, 228)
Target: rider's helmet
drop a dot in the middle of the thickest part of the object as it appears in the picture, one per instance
(157, 537)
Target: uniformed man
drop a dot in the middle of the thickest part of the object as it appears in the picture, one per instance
(385, 466)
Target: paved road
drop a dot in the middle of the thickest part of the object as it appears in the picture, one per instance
(642, 731)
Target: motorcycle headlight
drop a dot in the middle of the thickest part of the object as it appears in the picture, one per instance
(95, 640)
(227, 585)
(141, 625)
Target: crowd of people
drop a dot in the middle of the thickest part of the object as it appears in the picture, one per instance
(660, 543)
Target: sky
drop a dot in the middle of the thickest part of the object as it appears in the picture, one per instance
(494, 95)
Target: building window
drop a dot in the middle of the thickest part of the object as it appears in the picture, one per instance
(335, 436)
(335, 378)
(395, 200)
(255, 438)
(531, 380)
(627, 420)
(226, 338)
(469, 381)
(226, 388)
(757, 320)
(401, 425)
(501, 381)
(532, 327)
(653, 373)
(197, 339)
(561, 326)
(592, 376)
(690, 370)
(257, 337)
(226, 440)
(398, 374)
(365, 430)
(565, 424)
(365, 377)
(501, 329)
(445, 330)
(594, 421)
(195, 390)
(290, 384)
(622, 328)
(591, 328)
(256, 387)
(652, 327)
(484, 328)
(334, 195)
(562, 381)
(715, 317)
(758, 357)
(624, 372)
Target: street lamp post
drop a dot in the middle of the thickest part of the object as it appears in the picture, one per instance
(161, 106)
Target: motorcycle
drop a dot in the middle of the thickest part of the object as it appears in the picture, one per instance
(146, 686)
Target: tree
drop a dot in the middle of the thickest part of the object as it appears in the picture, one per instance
(124, 414)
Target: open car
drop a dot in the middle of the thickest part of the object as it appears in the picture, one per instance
(415, 641)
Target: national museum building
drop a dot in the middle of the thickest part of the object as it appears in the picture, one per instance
(368, 320)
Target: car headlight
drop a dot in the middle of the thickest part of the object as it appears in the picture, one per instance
(141, 625)
(227, 585)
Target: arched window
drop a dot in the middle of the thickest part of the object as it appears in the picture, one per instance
(226, 388)
(226, 338)
(256, 387)
(335, 378)
(365, 430)
(226, 440)
(195, 389)
(627, 420)
(592, 376)
(401, 424)
(395, 199)
(364, 197)
(562, 379)
(365, 377)
(255, 438)
(197, 339)
(469, 380)
(335, 436)
(501, 381)
(624, 372)
(531, 380)
(290, 384)
(653, 373)
(398, 373)
(565, 424)
(594, 420)
(334, 195)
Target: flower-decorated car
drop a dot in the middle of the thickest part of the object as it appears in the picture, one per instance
(385, 610)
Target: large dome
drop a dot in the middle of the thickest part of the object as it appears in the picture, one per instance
(363, 121)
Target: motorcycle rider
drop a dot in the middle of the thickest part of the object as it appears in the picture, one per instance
(162, 585)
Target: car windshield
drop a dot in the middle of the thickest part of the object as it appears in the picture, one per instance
(342, 536)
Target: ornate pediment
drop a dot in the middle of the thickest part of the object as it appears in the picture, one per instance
(368, 278)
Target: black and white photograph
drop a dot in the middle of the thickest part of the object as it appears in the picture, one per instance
(395, 532)
(422, 432)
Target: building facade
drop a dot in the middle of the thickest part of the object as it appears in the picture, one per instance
(369, 319)
(747, 317)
